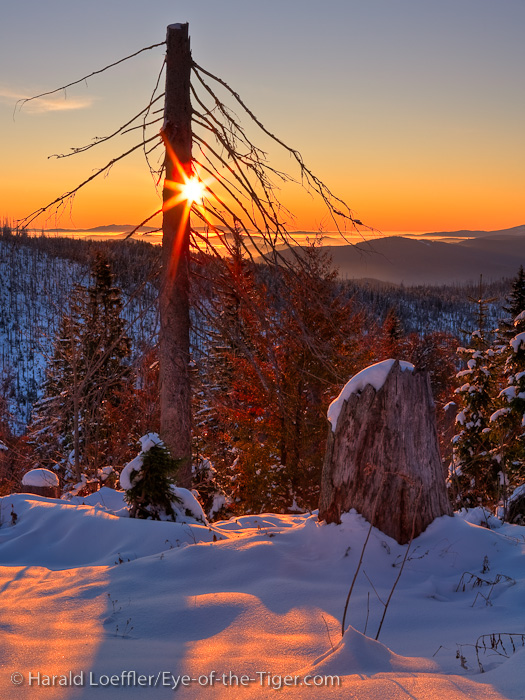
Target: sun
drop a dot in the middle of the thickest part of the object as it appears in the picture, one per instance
(193, 190)
(188, 192)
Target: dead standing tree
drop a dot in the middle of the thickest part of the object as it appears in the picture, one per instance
(174, 299)
(240, 206)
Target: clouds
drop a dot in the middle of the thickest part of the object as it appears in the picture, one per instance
(49, 103)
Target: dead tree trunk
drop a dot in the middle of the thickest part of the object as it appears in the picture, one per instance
(174, 341)
(385, 450)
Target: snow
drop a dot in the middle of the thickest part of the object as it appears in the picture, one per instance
(146, 443)
(40, 477)
(508, 393)
(517, 341)
(519, 318)
(219, 501)
(126, 482)
(375, 375)
(497, 414)
(187, 506)
(519, 491)
(257, 595)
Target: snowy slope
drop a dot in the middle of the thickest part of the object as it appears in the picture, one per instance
(33, 292)
(261, 596)
(34, 289)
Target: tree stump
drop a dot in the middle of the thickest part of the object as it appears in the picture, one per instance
(41, 482)
(382, 456)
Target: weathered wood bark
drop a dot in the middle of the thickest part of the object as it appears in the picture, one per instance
(47, 491)
(385, 447)
(174, 340)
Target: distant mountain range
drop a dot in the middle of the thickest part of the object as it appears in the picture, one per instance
(493, 254)
(111, 228)
(514, 231)
(462, 257)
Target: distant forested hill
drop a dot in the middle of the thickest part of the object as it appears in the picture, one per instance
(37, 275)
(36, 278)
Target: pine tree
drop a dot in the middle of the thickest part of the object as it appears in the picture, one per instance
(84, 376)
(151, 495)
(392, 336)
(515, 304)
(475, 469)
(106, 348)
(508, 421)
(55, 427)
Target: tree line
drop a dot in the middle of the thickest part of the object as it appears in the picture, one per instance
(272, 346)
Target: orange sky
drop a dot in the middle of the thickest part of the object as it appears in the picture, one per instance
(412, 115)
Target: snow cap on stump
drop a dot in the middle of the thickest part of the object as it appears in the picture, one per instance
(41, 482)
(382, 455)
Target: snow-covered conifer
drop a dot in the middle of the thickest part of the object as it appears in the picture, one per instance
(474, 469)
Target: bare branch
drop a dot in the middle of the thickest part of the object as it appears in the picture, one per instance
(81, 80)
(60, 200)
(98, 140)
(149, 218)
(336, 206)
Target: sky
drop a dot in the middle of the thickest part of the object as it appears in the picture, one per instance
(409, 110)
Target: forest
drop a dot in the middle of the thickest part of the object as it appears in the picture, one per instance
(271, 348)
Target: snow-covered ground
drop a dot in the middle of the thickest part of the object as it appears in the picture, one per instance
(86, 592)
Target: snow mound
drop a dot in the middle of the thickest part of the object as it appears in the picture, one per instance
(40, 477)
(59, 534)
(106, 499)
(187, 506)
(375, 375)
(357, 654)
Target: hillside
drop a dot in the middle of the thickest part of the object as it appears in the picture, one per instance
(36, 278)
(37, 274)
(410, 262)
(466, 233)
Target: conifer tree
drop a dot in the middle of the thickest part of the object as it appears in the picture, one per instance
(55, 427)
(84, 375)
(475, 468)
(151, 495)
(392, 336)
(515, 304)
(106, 348)
(508, 420)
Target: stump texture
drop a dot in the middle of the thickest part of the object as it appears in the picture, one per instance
(383, 458)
